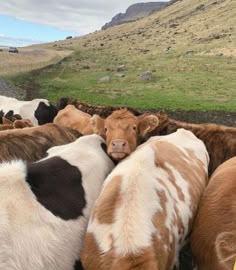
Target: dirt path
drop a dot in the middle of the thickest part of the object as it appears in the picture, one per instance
(9, 90)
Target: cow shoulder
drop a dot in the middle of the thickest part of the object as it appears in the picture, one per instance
(57, 185)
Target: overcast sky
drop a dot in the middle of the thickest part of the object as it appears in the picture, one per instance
(76, 17)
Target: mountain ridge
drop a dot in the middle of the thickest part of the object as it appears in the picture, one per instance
(135, 12)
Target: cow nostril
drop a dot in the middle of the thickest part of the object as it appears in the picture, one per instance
(119, 145)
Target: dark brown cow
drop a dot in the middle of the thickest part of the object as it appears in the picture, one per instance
(32, 143)
(220, 140)
(102, 111)
(213, 238)
(123, 130)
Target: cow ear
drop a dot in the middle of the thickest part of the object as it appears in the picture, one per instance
(147, 124)
(97, 124)
(6, 121)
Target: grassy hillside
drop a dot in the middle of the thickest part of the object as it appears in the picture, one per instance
(189, 47)
(28, 59)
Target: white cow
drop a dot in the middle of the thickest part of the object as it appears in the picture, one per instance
(39, 111)
(45, 206)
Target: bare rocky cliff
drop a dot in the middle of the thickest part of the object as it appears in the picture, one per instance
(134, 12)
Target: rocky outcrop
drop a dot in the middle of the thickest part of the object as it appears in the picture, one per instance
(135, 12)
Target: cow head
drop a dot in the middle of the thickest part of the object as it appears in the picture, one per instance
(45, 113)
(123, 131)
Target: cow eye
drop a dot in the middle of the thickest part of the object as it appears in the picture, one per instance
(135, 128)
(105, 129)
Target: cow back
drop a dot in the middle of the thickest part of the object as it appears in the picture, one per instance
(213, 238)
(45, 206)
(147, 205)
(32, 143)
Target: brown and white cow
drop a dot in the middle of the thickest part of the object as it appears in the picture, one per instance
(213, 237)
(220, 140)
(74, 118)
(147, 205)
(123, 131)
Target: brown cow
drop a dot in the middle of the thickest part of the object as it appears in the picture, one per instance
(103, 111)
(74, 118)
(123, 131)
(32, 143)
(213, 237)
(11, 124)
(220, 140)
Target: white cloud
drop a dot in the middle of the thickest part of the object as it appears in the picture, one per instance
(80, 16)
(5, 40)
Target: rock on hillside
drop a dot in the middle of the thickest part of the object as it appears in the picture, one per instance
(135, 12)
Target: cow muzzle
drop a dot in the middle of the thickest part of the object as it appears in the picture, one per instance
(118, 149)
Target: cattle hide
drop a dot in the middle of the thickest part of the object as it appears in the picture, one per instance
(220, 140)
(213, 237)
(73, 118)
(102, 111)
(32, 143)
(45, 206)
(39, 111)
(145, 211)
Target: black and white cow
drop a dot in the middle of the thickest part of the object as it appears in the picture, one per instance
(39, 111)
(45, 206)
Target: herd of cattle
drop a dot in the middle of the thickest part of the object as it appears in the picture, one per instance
(105, 188)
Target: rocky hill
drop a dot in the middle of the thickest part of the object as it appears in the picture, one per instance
(183, 26)
(134, 12)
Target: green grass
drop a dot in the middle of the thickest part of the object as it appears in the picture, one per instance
(191, 82)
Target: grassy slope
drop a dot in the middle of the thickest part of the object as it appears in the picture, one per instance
(28, 59)
(204, 79)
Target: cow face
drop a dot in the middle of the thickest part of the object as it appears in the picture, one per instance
(122, 131)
